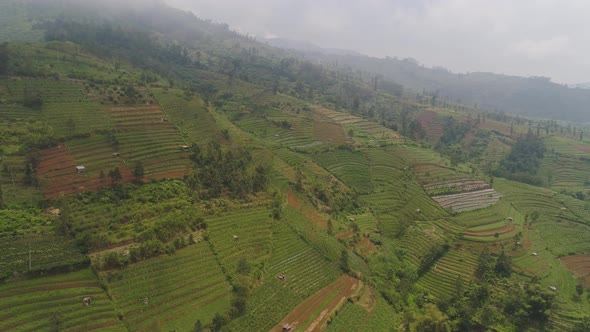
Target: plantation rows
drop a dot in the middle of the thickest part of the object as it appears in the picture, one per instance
(469, 201)
(419, 240)
(348, 120)
(299, 135)
(305, 271)
(441, 279)
(431, 176)
(171, 292)
(65, 107)
(39, 252)
(432, 124)
(241, 234)
(188, 114)
(55, 303)
(565, 172)
(350, 167)
(354, 317)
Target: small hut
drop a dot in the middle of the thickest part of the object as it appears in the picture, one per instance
(80, 169)
(281, 276)
(116, 154)
(235, 237)
(287, 327)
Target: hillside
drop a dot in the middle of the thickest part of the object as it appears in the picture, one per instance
(160, 172)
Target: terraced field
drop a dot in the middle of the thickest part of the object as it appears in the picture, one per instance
(432, 123)
(579, 265)
(441, 279)
(468, 201)
(171, 292)
(241, 234)
(350, 121)
(306, 271)
(565, 172)
(55, 302)
(298, 135)
(190, 115)
(350, 167)
(145, 134)
(502, 220)
(371, 315)
(65, 106)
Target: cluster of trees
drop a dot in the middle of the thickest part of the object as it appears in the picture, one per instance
(523, 161)
(450, 143)
(229, 171)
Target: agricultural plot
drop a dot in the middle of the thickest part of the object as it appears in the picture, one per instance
(418, 241)
(306, 271)
(144, 134)
(58, 174)
(241, 234)
(65, 106)
(579, 265)
(350, 167)
(190, 115)
(314, 312)
(171, 292)
(56, 303)
(568, 146)
(441, 279)
(370, 313)
(493, 223)
(438, 180)
(39, 253)
(468, 201)
(281, 130)
(359, 124)
(432, 124)
(565, 172)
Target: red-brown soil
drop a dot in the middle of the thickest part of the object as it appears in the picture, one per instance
(345, 287)
(583, 148)
(431, 124)
(309, 212)
(579, 265)
(329, 132)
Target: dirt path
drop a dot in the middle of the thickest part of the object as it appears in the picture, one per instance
(327, 299)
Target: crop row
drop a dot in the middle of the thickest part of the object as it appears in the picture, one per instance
(51, 302)
(171, 292)
(469, 201)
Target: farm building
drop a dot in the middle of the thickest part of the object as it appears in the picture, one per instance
(287, 327)
(116, 154)
(80, 169)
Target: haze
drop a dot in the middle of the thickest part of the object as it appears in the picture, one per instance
(525, 38)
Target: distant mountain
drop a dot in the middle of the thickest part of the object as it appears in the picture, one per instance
(307, 47)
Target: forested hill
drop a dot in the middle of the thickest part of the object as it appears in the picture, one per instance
(532, 96)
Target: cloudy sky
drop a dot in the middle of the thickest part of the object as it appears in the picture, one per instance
(517, 37)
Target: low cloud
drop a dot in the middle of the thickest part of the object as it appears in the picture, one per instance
(525, 37)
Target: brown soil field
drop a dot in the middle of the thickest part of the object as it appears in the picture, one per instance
(343, 288)
(432, 125)
(309, 212)
(583, 148)
(491, 232)
(58, 176)
(579, 265)
(329, 132)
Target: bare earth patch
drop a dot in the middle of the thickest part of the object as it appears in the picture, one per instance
(579, 265)
(335, 293)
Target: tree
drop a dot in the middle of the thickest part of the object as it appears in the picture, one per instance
(503, 265)
(218, 322)
(115, 175)
(582, 326)
(344, 264)
(198, 326)
(138, 170)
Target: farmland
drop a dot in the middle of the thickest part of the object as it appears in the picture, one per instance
(170, 292)
(55, 302)
(314, 312)
(231, 186)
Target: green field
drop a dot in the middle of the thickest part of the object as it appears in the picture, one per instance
(55, 303)
(170, 292)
